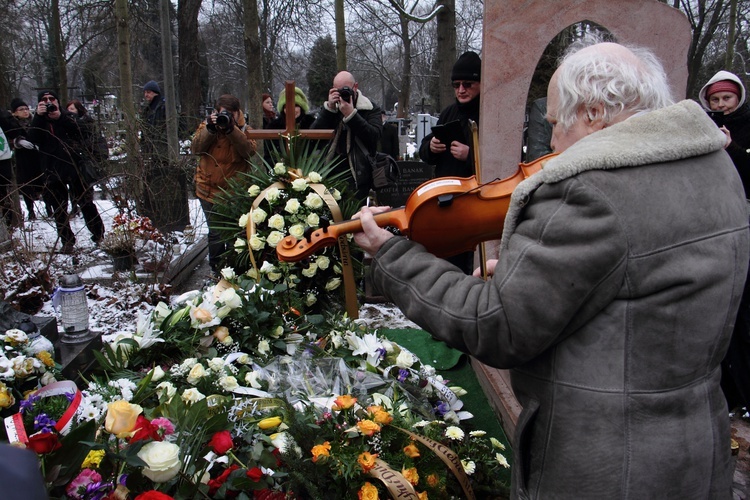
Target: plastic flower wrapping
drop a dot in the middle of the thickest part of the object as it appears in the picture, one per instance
(242, 390)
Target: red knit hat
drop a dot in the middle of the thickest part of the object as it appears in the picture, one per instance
(723, 86)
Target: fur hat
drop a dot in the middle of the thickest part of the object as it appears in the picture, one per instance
(16, 103)
(723, 86)
(152, 86)
(47, 92)
(300, 99)
(467, 67)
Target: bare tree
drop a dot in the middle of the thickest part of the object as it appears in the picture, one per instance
(189, 80)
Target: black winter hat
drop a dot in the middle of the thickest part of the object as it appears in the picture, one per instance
(467, 67)
(152, 86)
(46, 92)
(16, 103)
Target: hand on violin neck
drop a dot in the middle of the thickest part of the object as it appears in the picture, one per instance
(372, 236)
(490, 265)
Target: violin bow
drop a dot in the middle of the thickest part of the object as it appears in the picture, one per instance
(478, 175)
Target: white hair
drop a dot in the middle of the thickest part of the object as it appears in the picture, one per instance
(618, 83)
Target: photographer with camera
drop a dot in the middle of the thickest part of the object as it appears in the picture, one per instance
(56, 133)
(358, 126)
(225, 147)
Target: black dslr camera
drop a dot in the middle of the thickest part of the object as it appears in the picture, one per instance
(346, 93)
(224, 119)
(51, 108)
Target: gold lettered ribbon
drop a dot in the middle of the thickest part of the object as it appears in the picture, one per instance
(396, 484)
(347, 269)
(448, 457)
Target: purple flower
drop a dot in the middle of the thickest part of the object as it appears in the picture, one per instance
(44, 424)
(402, 374)
(79, 487)
(381, 352)
(442, 408)
(28, 403)
(70, 396)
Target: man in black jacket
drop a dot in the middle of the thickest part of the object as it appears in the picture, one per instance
(457, 158)
(358, 126)
(55, 131)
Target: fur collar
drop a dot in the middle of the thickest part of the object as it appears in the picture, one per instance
(363, 103)
(677, 132)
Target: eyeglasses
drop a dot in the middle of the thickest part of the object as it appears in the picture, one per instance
(48, 99)
(466, 85)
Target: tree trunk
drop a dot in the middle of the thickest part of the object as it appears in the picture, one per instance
(254, 66)
(403, 98)
(446, 52)
(189, 81)
(126, 102)
(731, 35)
(62, 71)
(340, 36)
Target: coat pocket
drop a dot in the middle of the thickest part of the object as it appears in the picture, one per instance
(521, 447)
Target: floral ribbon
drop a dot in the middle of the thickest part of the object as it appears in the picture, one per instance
(396, 484)
(350, 289)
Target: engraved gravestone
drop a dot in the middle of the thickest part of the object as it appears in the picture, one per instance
(413, 174)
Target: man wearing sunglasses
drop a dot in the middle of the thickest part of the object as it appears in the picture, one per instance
(457, 157)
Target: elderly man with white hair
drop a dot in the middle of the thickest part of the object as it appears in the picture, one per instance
(613, 299)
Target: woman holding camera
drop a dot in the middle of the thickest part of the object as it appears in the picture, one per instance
(225, 147)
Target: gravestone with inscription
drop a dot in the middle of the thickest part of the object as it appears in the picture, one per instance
(413, 174)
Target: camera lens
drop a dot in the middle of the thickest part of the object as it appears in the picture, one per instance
(345, 93)
(223, 119)
(51, 108)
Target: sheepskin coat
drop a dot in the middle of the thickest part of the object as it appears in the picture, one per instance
(619, 275)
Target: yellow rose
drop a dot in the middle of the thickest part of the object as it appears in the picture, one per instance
(269, 423)
(379, 415)
(368, 492)
(6, 397)
(422, 496)
(272, 195)
(202, 315)
(323, 262)
(45, 358)
(162, 460)
(121, 418)
(321, 450)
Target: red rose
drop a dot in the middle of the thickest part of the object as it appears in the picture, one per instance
(44, 443)
(255, 474)
(145, 430)
(221, 442)
(266, 494)
(153, 495)
(215, 484)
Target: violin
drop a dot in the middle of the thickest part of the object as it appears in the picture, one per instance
(448, 215)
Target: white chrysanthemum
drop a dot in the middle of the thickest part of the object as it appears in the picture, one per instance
(497, 444)
(314, 201)
(297, 230)
(274, 238)
(244, 218)
(272, 195)
(292, 206)
(88, 412)
(454, 433)
(315, 177)
(239, 245)
(277, 222)
(264, 347)
(253, 190)
(469, 466)
(502, 460)
(299, 185)
(309, 272)
(258, 215)
(279, 168)
(323, 262)
(477, 433)
(313, 220)
(192, 395)
(333, 284)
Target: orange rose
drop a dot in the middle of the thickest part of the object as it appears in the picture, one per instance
(422, 496)
(367, 492)
(379, 415)
(121, 418)
(202, 315)
(221, 333)
(411, 475)
(321, 450)
(343, 403)
(366, 460)
(411, 451)
(368, 427)
(433, 480)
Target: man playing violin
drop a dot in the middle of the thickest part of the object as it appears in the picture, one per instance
(614, 294)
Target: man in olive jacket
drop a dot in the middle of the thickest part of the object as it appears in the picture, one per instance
(613, 299)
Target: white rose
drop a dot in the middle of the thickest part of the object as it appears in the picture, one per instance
(230, 298)
(323, 262)
(157, 374)
(216, 364)
(162, 460)
(297, 230)
(313, 220)
(267, 267)
(274, 238)
(228, 383)
(161, 311)
(336, 194)
(314, 201)
(253, 190)
(311, 299)
(243, 220)
(279, 168)
(405, 359)
(315, 177)
(299, 184)
(264, 347)
(309, 272)
(276, 222)
(192, 395)
(48, 378)
(228, 273)
(166, 388)
(187, 364)
(251, 378)
(277, 332)
(292, 206)
(272, 195)
(257, 242)
(239, 245)
(333, 284)
(197, 372)
(244, 359)
(258, 215)
(253, 273)
(227, 340)
(274, 276)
